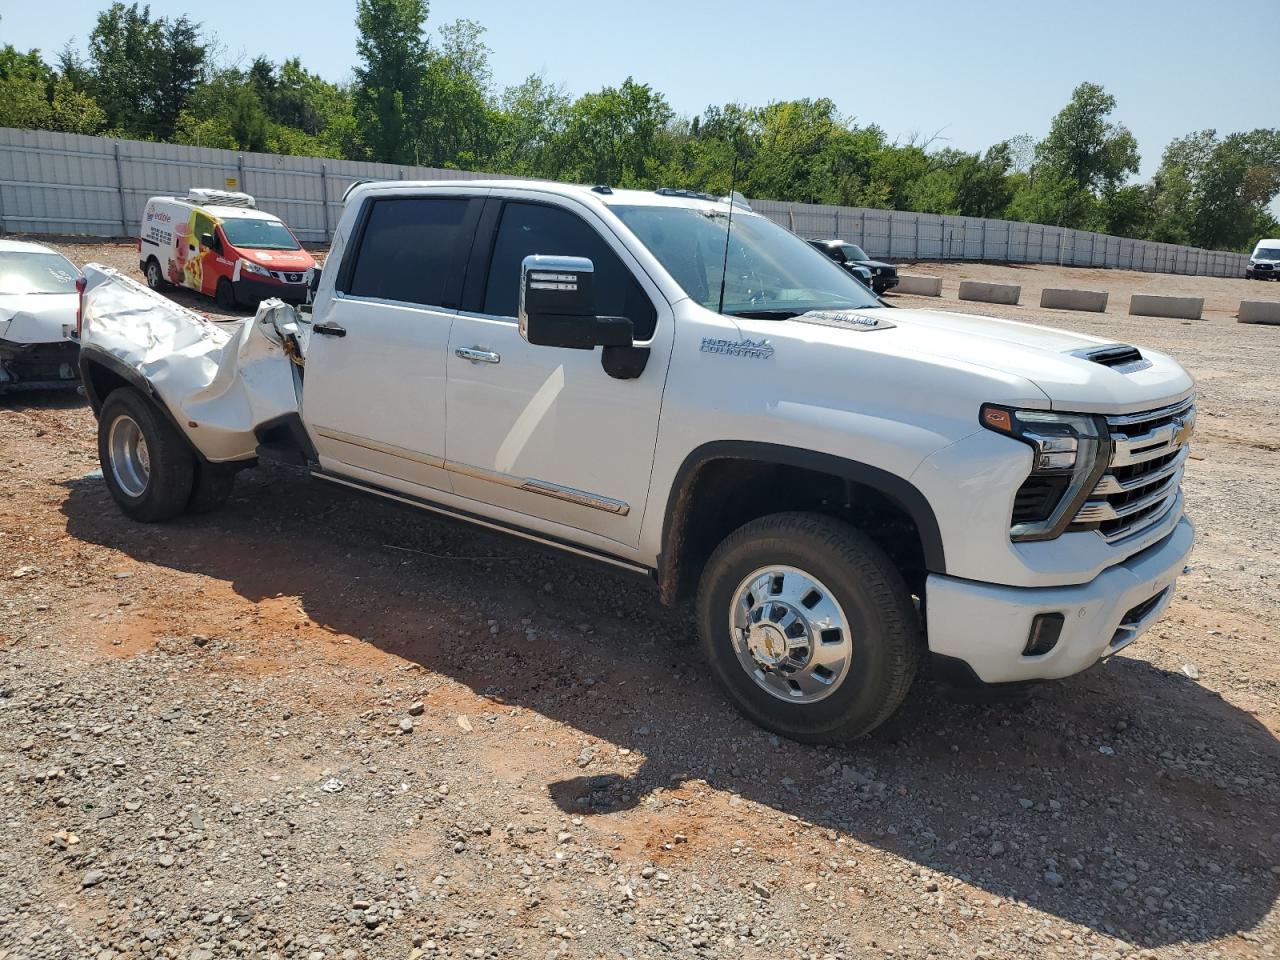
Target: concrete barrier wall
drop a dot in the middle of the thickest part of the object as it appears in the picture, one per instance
(1259, 311)
(1094, 301)
(921, 286)
(1180, 308)
(1007, 293)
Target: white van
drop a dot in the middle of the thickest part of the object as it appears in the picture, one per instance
(218, 243)
(1264, 262)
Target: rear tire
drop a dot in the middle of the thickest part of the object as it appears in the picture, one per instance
(808, 627)
(226, 295)
(146, 462)
(155, 276)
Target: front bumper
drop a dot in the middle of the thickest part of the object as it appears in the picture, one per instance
(38, 366)
(985, 626)
(251, 290)
(882, 283)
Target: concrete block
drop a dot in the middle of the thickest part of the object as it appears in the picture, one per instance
(990, 292)
(1095, 301)
(1259, 311)
(1180, 308)
(920, 285)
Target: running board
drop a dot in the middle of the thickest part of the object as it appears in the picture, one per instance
(494, 525)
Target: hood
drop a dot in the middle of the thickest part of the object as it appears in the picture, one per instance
(1076, 372)
(294, 261)
(37, 317)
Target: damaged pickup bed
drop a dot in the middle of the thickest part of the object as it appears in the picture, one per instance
(226, 386)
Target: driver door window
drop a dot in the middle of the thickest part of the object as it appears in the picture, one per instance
(533, 228)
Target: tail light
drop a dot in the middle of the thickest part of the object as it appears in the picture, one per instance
(80, 285)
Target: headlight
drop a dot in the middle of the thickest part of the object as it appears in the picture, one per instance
(248, 266)
(1066, 465)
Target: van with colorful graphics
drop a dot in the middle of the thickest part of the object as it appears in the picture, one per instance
(220, 244)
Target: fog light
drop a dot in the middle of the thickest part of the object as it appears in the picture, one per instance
(1045, 630)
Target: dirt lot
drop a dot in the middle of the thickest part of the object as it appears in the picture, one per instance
(309, 726)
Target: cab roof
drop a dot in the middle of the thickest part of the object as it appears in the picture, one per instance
(606, 196)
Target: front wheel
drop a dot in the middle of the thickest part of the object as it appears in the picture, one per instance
(225, 295)
(808, 627)
(146, 463)
(155, 276)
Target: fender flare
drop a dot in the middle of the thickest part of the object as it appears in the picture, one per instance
(91, 356)
(894, 488)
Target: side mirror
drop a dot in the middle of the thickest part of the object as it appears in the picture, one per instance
(558, 306)
(209, 240)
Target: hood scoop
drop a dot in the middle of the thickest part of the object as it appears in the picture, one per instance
(1118, 356)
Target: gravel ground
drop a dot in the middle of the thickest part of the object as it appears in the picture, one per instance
(309, 726)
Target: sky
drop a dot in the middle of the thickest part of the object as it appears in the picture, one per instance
(971, 73)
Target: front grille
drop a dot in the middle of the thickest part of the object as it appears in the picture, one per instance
(1144, 474)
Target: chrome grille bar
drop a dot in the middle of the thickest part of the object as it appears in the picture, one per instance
(1149, 452)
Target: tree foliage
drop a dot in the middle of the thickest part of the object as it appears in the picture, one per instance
(427, 98)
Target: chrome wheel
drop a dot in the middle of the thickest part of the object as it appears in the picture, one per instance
(790, 634)
(154, 279)
(130, 461)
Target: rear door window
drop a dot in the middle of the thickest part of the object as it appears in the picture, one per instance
(410, 250)
(534, 228)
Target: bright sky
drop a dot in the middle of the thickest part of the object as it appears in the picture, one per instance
(977, 72)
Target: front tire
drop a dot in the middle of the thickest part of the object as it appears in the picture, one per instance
(808, 627)
(155, 276)
(148, 466)
(225, 295)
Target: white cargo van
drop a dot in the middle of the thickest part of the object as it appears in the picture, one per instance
(1264, 262)
(218, 243)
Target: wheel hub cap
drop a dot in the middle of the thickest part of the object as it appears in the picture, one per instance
(790, 634)
(130, 458)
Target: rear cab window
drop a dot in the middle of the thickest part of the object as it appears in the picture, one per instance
(409, 250)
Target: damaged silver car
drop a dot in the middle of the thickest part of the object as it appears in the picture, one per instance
(38, 304)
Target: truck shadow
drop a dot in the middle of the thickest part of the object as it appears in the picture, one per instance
(1120, 800)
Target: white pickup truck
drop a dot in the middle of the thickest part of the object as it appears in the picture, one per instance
(674, 385)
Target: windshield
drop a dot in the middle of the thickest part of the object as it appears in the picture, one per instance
(258, 234)
(772, 272)
(1267, 253)
(853, 252)
(37, 273)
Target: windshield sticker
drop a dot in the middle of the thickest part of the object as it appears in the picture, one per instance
(753, 349)
(845, 320)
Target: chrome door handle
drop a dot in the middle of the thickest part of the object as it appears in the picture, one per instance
(477, 355)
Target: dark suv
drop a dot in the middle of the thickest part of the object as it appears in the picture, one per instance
(884, 276)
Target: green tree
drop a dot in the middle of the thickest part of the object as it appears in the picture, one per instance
(34, 96)
(615, 136)
(1084, 146)
(1084, 157)
(394, 56)
(456, 125)
(143, 71)
(1216, 192)
(528, 121)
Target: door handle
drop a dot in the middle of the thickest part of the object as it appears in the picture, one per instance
(477, 355)
(329, 330)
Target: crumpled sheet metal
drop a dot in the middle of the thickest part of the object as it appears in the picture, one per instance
(220, 380)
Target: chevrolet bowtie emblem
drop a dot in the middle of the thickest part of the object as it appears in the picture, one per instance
(1182, 429)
